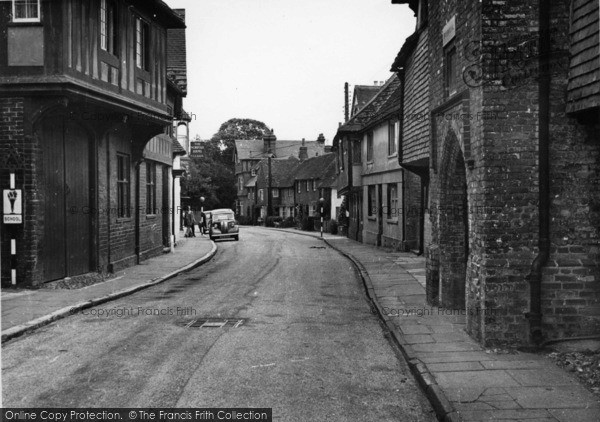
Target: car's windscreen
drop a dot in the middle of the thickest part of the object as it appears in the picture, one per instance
(219, 217)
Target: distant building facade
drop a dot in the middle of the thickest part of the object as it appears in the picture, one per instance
(249, 152)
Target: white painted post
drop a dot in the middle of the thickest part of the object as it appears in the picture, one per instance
(13, 245)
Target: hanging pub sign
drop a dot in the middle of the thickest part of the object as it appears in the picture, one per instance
(13, 206)
(197, 149)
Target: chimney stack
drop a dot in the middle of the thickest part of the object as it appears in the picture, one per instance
(303, 154)
(321, 139)
(269, 143)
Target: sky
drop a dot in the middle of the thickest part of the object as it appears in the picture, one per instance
(285, 62)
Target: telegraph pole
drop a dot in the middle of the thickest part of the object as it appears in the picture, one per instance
(269, 194)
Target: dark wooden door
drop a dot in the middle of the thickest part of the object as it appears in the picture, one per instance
(67, 218)
(53, 252)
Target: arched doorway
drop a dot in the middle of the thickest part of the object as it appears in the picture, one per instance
(68, 206)
(453, 226)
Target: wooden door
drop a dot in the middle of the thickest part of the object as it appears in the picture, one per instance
(52, 255)
(67, 216)
(77, 197)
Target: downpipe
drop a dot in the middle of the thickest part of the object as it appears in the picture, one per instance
(535, 276)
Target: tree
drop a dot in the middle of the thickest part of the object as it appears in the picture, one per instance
(213, 175)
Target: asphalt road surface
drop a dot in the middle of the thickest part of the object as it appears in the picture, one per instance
(305, 344)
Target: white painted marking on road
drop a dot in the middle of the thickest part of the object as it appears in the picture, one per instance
(262, 366)
(189, 324)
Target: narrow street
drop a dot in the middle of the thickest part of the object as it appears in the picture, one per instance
(300, 338)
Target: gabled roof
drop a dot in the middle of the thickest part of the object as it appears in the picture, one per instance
(319, 168)
(383, 105)
(248, 149)
(362, 95)
(176, 54)
(282, 172)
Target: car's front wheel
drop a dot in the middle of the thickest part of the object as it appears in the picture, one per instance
(236, 237)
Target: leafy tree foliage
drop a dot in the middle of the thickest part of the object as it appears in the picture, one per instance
(213, 175)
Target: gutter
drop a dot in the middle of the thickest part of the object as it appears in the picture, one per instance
(535, 276)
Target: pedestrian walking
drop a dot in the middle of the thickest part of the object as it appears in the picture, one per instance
(190, 222)
(202, 224)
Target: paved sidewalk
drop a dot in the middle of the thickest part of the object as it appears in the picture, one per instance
(462, 380)
(26, 310)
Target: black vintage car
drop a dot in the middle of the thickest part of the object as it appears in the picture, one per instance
(222, 224)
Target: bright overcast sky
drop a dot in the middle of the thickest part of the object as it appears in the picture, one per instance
(284, 62)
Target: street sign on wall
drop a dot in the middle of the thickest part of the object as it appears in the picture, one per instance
(13, 206)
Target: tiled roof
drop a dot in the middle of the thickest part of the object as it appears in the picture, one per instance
(177, 148)
(387, 102)
(282, 172)
(362, 95)
(176, 55)
(251, 182)
(253, 148)
(319, 168)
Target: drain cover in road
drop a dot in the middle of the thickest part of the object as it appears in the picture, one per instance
(213, 322)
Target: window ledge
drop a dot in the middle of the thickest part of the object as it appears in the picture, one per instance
(392, 221)
(25, 23)
(150, 216)
(124, 219)
(372, 218)
(394, 155)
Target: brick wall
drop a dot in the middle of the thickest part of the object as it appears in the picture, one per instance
(16, 138)
(571, 280)
(495, 148)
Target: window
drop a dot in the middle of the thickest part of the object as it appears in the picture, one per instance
(314, 185)
(26, 10)
(123, 186)
(307, 189)
(450, 63)
(253, 172)
(356, 152)
(142, 44)
(108, 26)
(371, 201)
(261, 195)
(150, 188)
(298, 187)
(250, 193)
(392, 137)
(392, 201)
(370, 146)
(313, 209)
(240, 183)
(275, 193)
(341, 155)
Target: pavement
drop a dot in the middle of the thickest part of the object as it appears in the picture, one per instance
(463, 380)
(26, 310)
